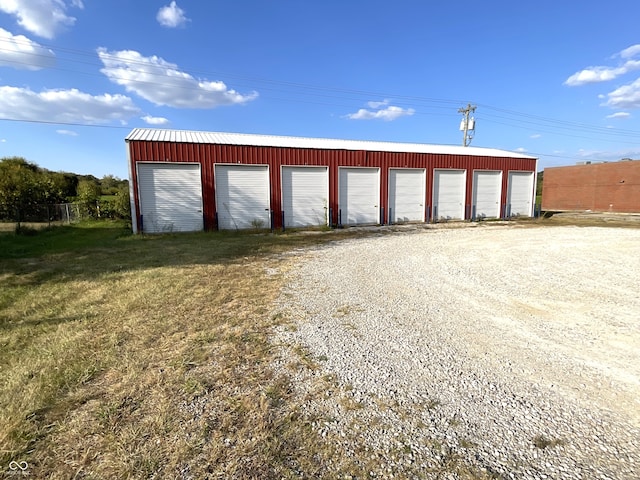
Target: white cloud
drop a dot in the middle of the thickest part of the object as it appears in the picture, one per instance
(520, 150)
(64, 106)
(171, 16)
(4, 140)
(625, 97)
(535, 135)
(44, 18)
(155, 120)
(601, 74)
(70, 133)
(17, 51)
(604, 74)
(630, 52)
(619, 115)
(161, 83)
(378, 104)
(387, 114)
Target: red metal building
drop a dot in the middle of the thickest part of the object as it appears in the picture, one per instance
(188, 180)
(598, 187)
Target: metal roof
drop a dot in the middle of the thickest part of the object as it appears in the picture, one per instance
(223, 138)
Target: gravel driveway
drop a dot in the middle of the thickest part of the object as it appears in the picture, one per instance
(514, 351)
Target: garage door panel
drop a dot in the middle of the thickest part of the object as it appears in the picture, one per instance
(487, 191)
(170, 197)
(520, 194)
(406, 195)
(242, 196)
(359, 196)
(449, 194)
(305, 192)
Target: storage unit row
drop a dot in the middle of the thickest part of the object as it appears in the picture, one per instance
(190, 186)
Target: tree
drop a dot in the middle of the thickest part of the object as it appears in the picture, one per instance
(122, 203)
(21, 188)
(88, 196)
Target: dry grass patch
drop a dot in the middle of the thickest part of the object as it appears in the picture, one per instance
(148, 357)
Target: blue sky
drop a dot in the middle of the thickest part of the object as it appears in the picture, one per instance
(559, 80)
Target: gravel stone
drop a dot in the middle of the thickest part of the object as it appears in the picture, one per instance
(512, 350)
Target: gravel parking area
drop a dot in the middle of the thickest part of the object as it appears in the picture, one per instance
(508, 351)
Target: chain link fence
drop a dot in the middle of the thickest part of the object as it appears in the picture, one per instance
(39, 215)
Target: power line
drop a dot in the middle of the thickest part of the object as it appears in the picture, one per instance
(302, 93)
(54, 122)
(313, 90)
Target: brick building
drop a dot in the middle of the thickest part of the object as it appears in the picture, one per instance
(599, 187)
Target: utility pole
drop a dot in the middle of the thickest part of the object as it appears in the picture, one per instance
(468, 125)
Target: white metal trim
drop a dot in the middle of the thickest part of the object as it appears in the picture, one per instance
(378, 187)
(326, 169)
(533, 187)
(227, 138)
(464, 190)
(474, 191)
(424, 189)
(238, 164)
(148, 162)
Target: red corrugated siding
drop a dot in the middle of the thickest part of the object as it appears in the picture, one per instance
(275, 157)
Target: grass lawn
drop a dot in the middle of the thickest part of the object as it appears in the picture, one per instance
(148, 356)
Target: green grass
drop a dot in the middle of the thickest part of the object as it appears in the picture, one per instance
(65, 238)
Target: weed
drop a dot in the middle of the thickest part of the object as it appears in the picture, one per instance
(432, 404)
(350, 404)
(542, 442)
(464, 443)
(257, 223)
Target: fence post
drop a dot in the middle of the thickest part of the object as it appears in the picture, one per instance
(381, 215)
(283, 227)
(390, 222)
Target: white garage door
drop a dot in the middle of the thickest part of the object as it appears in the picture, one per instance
(358, 200)
(487, 188)
(305, 194)
(519, 201)
(170, 197)
(406, 194)
(242, 196)
(449, 194)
